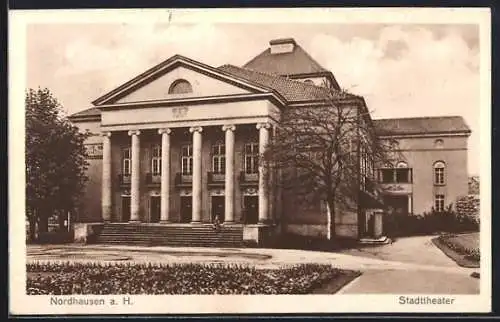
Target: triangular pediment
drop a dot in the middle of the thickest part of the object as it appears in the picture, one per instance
(195, 79)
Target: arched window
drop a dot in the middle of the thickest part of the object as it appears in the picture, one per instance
(439, 173)
(438, 144)
(180, 86)
(402, 164)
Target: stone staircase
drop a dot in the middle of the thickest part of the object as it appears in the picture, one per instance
(171, 235)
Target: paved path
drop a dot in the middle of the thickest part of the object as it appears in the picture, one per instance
(410, 265)
(417, 252)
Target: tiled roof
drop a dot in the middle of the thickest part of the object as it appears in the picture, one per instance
(93, 111)
(293, 91)
(421, 125)
(296, 62)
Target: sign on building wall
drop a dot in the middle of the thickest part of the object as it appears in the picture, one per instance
(94, 151)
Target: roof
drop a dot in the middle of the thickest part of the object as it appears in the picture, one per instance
(93, 111)
(296, 62)
(293, 91)
(421, 125)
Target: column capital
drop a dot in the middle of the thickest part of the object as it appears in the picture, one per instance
(228, 127)
(165, 130)
(263, 126)
(106, 133)
(134, 132)
(195, 129)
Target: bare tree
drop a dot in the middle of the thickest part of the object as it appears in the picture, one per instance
(328, 153)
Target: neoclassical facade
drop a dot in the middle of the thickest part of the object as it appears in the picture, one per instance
(180, 144)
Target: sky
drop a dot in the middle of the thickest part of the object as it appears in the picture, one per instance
(405, 70)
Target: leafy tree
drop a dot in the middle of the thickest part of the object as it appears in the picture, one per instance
(55, 160)
(327, 153)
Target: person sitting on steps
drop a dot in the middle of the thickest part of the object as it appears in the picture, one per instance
(216, 224)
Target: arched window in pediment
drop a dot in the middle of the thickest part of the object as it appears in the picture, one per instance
(180, 86)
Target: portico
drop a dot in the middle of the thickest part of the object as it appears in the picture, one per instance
(231, 179)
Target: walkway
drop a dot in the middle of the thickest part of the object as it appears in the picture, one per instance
(417, 252)
(411, 265)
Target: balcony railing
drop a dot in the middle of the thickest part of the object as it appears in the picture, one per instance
(183, 180)
(215, 178)
(124, 179)
(248, 178)
(153, 178)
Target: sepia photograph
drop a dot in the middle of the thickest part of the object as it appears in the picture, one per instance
(314, 153)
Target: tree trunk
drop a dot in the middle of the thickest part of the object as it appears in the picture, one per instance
(32, 225)
(330, 213)
(43, 222)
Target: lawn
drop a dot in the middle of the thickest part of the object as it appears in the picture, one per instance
(463, 249)
(127, 278)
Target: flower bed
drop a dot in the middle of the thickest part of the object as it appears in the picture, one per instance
(463, 249)
(466, 245)
(85, 278)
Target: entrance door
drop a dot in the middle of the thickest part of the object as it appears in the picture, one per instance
(251, 209)
(186, 209)
(155, 209)
(125, 208)
(218, 205)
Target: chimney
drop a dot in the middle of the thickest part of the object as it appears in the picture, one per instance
(281, 46)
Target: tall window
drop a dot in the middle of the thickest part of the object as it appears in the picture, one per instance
(439, 168)
(180, 86)
(439, 202)
(251, 158)
(156, 160)
(126, 161)
(187, 159)
(218, 158)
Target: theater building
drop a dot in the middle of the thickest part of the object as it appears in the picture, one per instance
(179, 145)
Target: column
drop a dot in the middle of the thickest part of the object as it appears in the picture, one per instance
(229, 173)
(135, 177)
(410, 204)
(165, 175)
(263, 193)
(106, 177)
(196, 206)
(377, 223)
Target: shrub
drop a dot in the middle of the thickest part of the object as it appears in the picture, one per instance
(93, 278)
(468, 206)
(55, 237)
(397, 225)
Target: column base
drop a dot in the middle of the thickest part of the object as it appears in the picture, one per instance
(165, 222)
(229, 222)
(265, 221)
(134, 221)
(198, 222)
